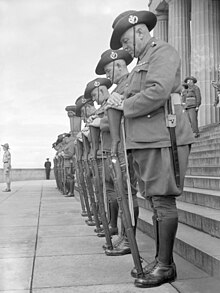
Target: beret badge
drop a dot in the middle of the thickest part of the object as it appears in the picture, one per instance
(84, 100)
(96, 83)
(133, 19)
(113, 55)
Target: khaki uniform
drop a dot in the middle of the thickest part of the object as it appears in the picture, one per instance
(148, 89)
(7, 163)
(104, 126)
(191, 98)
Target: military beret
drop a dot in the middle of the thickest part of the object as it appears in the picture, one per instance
(96, 83)
(191, 78)
(80, 103)
(129, 20)
(110, 56)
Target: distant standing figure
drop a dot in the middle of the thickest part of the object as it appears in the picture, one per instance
(191, 99)
(47, 166)
(7, 167)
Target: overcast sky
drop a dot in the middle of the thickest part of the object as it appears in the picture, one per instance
(48, 53)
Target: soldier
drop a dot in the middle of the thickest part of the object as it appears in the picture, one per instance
(114, 64)
(216, 85)
(84, 109)
(97, 89)
(69, 164)
(47, 166)
(55, 169)
(191, 99)
(7, 167)
(151, 135)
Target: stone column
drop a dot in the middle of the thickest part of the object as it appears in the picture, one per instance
(205, 17)
(161, 28)
(75, 121)
(179, 31)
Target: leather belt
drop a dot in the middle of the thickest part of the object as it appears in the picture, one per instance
(5, 162)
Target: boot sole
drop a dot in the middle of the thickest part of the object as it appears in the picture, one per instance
(151, 285)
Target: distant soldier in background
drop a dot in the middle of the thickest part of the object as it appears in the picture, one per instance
(191, 100)
(216, 85)
(7, 167)
(47, 166)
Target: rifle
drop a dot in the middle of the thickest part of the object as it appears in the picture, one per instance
(79, 149)
(114, 118)
(95, 134)
(86, 147)
(83, 213)
(63, 176)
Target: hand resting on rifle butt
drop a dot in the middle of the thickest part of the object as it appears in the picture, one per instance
(115, 101)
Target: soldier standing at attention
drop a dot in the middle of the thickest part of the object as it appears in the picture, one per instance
(7, 167)
(191, 99)
(114, 63)
(47, 166)
(158, 132)
(69, 164)
(97, 90)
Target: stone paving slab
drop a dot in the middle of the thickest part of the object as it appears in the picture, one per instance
(114, 288)
(69, 246)
(69, 256)
(66, 231)
(15, 273)
(23, 233)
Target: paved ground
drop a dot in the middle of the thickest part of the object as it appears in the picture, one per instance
(45, 246)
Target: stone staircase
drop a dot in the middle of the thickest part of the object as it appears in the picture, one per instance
(198, 235)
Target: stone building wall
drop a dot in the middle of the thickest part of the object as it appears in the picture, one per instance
(193, 28)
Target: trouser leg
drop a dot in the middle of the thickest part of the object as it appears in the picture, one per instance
(114, 213)
(164, 269)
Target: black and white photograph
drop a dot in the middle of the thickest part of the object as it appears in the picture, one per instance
(110, 146)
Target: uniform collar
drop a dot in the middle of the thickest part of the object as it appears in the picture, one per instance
(150, 43)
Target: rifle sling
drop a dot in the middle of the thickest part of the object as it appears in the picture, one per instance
(174, 150)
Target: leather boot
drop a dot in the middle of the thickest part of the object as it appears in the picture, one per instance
(115, 243)
(113, 213)
(150, 266)
(112, 231)
(90, 222)
(122, 248)
(84, 214)
(165, 270)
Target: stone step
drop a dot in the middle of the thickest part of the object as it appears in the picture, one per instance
(203, 197)
(204, 182)
(200, 161)
(201, 218)
(208, 135)
(195, 246)
(204, 170)
(204, 153)
(206, 141)
(205, 147)
(210, 128)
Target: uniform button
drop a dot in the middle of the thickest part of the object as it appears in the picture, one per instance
(148, 116)
(126, 84)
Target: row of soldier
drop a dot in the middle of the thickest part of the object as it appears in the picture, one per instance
(137, 140)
